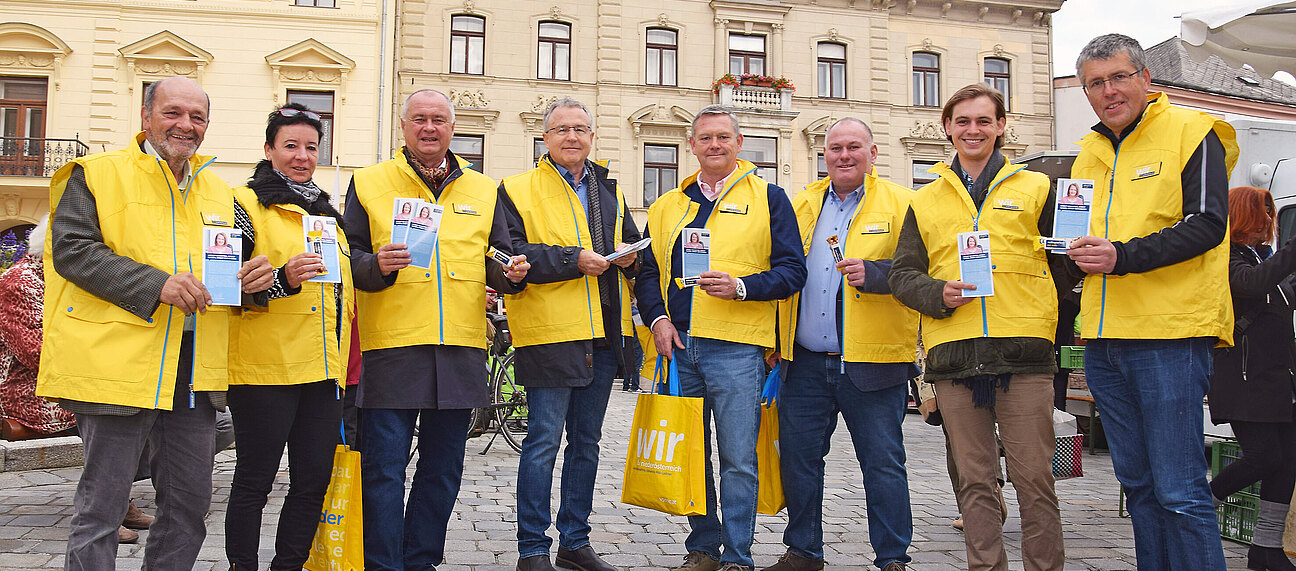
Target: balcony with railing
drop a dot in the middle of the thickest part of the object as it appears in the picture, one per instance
(25, 156)
(755, 97)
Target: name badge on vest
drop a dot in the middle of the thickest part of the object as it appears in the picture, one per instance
(876, 228)
(1006, 204)
(1147, 171)
(733, 208)
(214, 219)
(465, 209)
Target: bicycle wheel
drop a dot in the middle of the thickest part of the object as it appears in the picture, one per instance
(509, 401)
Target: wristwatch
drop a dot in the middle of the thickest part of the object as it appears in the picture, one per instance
(740, 290)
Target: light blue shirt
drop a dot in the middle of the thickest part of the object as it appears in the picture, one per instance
(582, 189)
(817, 319)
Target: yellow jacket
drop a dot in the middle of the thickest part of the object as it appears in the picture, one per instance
(567, 310)
(295, 339)
(876, 328)
(1024, 303)
(428, 307)
(740, 245)
(1187, 299)
(95, 351)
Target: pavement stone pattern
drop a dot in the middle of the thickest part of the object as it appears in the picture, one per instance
(35, 506)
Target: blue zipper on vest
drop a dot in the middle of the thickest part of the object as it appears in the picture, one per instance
(324, 330)
(976, 225)
(1111, 195)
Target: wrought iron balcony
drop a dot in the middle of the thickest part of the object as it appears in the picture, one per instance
(23, 156)
(755, 97)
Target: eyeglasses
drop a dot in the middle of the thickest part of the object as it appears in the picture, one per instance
(1117, 80)
(290, 112)
(580, 130)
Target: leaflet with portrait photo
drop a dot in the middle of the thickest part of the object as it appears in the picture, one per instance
(321, 238)
(974, 263)
(696, 245)
(421, 239)
(1071, 210)
(222, 258)
(403, 210)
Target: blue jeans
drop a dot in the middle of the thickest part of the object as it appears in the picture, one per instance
(729, 377)
(1149, 393)
(411, 535)
(810, 398)
(549, 409)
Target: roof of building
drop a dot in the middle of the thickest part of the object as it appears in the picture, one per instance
(1171, 64)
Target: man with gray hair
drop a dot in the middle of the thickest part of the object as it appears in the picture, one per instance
(723, 325)
(848, 347)
(422, 332)
(136, 349)
(569, 328)
(1156, 295)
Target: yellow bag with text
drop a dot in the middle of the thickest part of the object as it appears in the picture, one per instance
(665, 465)
(769, 493)
(339, 539)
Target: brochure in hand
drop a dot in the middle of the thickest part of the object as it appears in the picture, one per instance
(1072, 209)
(321, 238)
(696, 243)
(221, 260)
(974, 263)
(421, 240)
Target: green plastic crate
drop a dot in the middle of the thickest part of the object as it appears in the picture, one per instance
(1226, 452)
(1237, 516)
(1072, 357)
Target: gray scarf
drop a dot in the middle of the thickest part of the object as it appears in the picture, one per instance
(306, 190)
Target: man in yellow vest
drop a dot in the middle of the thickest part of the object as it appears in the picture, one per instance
(422, 331)
(989, 357)
(570, 329)
(719, 329)
(133, 344)
(848, 347)
(1156, 295)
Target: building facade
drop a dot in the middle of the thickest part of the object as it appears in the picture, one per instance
(644, 69)
(72, 76)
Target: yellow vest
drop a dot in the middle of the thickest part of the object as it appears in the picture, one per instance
(428, 307)
(1187, 299)
(1025, 300)
(740, 245)
(295, 339)
(568, 310)
(95, 351)
(876, 328)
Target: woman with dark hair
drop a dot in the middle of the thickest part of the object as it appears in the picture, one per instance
(288, 359)
(1253, 388)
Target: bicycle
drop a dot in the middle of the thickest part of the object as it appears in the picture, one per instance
(508, 407)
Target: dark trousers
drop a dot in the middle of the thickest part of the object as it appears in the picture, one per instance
(1268, 457)
(306, 418)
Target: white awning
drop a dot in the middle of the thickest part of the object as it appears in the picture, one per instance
(1259, 34)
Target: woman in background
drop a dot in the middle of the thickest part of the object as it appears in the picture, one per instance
(1253, 388)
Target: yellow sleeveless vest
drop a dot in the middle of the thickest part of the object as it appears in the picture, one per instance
(567, 310)
(442, 306)
(95, 351)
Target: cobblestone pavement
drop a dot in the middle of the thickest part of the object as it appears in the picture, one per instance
(35, 507)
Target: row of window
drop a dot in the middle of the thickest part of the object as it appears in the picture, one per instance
(747, 54)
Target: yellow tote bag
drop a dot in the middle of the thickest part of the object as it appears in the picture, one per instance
(339, 540)
(665, 466)
(769, 493)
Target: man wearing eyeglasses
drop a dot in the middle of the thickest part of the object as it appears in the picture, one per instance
(569, 328)
(719, 330)
(1156, 295)
(422, 336)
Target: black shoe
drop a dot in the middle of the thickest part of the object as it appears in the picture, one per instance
(583, 559)
(1268, 559)
(535, 563)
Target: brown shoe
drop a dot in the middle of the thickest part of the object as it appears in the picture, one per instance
(126, 536)
(698, 561)
(136, 519)
(792, 562)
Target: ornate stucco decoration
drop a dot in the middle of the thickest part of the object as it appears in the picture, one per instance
(660, 123)
(309, 64)
(162, 55)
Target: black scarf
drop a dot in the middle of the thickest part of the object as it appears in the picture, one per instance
(272, 188)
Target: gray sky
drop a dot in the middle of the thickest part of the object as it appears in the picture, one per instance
(1148, 21)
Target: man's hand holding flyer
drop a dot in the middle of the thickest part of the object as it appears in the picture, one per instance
(696, 245)
(974, 263)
